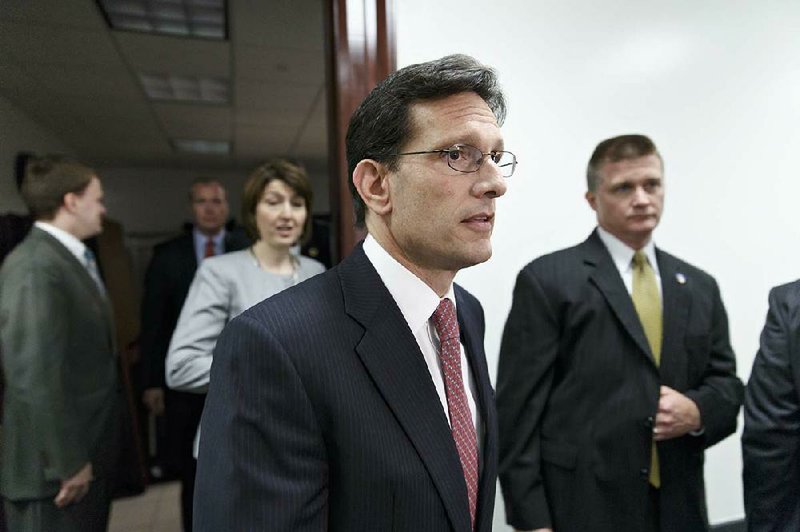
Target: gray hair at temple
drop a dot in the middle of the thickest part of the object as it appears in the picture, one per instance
(617, 149)
(381, 125)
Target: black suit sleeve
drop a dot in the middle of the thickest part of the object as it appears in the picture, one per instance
(771, 438)
(157, 320)
(527, 354)
(719, 394)
(236, 239)
(262, 462)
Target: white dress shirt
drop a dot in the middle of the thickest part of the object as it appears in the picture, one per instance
(200, 240)
(417, 302)
(622, 255)
(70, 241)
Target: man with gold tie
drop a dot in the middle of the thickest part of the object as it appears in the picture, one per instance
(616, 371)
(63, 396)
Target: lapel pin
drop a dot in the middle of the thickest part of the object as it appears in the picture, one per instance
(680, 278)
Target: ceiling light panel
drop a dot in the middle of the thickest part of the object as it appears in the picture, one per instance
(188, 18)
(208, 147)
(185, 88)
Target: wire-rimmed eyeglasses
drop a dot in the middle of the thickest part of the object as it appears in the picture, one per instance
(467, 159)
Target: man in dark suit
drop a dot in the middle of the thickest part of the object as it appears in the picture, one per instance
(360, 399)
(616, 370)
(63, 396)
(771, 437)
(167, 281)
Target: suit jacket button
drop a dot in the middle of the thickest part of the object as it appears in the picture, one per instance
(649, 422)
(644, 472)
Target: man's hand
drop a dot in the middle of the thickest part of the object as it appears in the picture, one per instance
(75, 488)
(153, 398)
(677, 415)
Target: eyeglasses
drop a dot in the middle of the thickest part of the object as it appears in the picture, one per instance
(467, 159)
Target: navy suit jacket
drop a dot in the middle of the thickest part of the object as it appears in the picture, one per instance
(322, 415)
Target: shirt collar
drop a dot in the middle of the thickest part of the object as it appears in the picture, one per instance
(416, 300)
(70, 241)
(201, 238)
(622, 254)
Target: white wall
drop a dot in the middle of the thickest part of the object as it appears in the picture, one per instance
(714, 83)
(18, 132)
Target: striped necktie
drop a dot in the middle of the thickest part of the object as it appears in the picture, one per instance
(94, 273)
(210, 249)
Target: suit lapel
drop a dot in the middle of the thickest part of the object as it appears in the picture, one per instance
(607, 279)
(79, 271)
(469, 325)
(675, 289)
(189, 253)
(392, 357)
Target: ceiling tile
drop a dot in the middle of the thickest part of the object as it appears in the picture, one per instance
(78, 13)
(15, 84)
(155, 54)
(279, 23)
(62, 66)
(280, 65)
(253, 141)
(255, 94)
(111, 83)
(271, 118)
(195, 121)
(312, 138)
(36, 44)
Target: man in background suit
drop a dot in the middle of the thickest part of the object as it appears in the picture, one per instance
(63, 396)
(771, 437)
(13, 229)
(616, 370)
(360, 399)
(167, 282)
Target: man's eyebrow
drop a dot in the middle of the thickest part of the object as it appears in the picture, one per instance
(497, 145)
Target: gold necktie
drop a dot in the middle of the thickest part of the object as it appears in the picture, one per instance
(647, 300)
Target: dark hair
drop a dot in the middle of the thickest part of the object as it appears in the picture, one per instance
(618, 149)
(381, 125)
(204, 181)
(293, 175)
(48, 179)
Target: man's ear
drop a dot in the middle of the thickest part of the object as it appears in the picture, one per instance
(591, 199)
(69, 202)
(369, 178)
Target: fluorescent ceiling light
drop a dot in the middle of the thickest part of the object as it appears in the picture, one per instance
(188, 18)
(210, 147)
(185, 88)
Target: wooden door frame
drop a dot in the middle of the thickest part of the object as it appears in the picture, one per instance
(360, 51)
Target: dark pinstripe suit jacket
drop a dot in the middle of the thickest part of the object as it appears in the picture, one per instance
(322, 415)
(578, 389)
(771, 436)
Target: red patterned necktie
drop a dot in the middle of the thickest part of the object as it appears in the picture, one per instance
(446, 324)
(210, 251)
